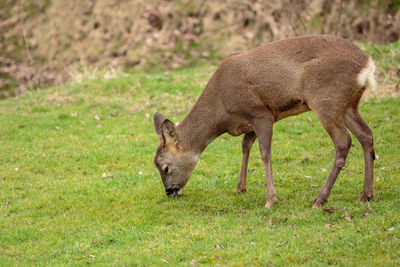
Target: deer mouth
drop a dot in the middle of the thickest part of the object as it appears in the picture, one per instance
(171, 192)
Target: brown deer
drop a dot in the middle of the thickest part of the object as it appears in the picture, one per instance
(252, 90)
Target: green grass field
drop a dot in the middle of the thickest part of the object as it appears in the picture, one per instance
(78, 185)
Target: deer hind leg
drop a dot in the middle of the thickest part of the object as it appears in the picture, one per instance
(263, 128)
(336, 128)
(364, 135)
(247, 143)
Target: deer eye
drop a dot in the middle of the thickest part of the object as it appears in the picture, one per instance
(165, 170)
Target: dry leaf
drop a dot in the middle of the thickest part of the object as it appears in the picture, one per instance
(165, 261)
(349, 172)
(347, 217)
(217, 247)
(241, 228)
(314, 186)
(391, 229)
(330, 210)
(309, 120)
(96, 117)
(107, 175)
(99, 125)
(193, 263)
(328, 225)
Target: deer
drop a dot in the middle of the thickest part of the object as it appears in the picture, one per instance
(252, 90)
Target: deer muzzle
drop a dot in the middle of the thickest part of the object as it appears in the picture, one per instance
(171, 192)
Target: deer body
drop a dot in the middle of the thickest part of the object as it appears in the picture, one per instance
(252, 90)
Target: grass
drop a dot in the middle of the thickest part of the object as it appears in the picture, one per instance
(78, 185)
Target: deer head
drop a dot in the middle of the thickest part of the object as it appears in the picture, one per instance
(172, 160)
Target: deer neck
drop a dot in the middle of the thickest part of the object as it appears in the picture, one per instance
(203, 123)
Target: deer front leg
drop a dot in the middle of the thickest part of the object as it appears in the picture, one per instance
(263, 127)
(247, 143)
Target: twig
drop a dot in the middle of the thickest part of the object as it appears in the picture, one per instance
(282, 244)
(209, 254)
(11, 21)
(66, 70)
(339, 18)
(298, 16)
(376, 49)
(27, 46)
(217, 247)
(290, 22)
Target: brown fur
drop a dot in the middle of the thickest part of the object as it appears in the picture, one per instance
(252, 90)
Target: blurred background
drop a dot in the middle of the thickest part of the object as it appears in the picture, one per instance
(45, 42)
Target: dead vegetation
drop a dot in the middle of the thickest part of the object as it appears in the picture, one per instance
(44, 42)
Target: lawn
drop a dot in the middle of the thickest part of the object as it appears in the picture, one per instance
(78, 185)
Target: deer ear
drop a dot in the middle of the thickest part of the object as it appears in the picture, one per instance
(165, 129)
(169, 133)
(158, 122)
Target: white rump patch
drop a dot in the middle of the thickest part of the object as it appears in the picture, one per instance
(366, 76)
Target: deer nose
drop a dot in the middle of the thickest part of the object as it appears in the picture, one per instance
(171, 191)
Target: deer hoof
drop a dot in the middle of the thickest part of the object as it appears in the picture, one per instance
(366, 197)
(270, 203)
(241, 191)
(319, 203)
